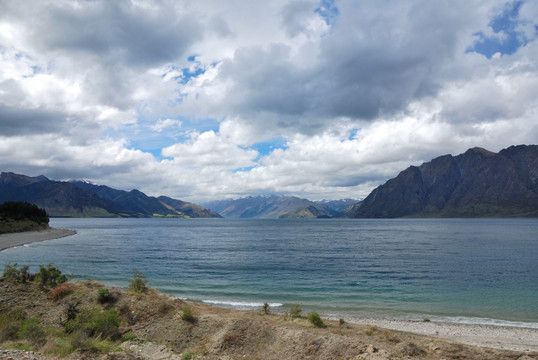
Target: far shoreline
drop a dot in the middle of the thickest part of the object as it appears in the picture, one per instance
(27, 237)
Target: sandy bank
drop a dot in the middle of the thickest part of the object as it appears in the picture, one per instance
(499, 337)
(18, 239)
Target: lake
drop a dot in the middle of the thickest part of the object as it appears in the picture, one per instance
(458, 270)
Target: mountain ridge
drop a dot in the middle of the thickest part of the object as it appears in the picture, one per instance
(83, 199)
(477, 183)
(273, 206)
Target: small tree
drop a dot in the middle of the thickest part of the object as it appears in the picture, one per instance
(265, 308)
(139, 282)
(50, 276)
(315, 319)
(295, 311)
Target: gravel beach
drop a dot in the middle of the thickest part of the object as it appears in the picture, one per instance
(18, 239)
(492, 336)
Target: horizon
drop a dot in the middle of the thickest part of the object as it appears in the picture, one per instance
(318, 99)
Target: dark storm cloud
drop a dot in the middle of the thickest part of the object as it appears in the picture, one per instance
(113, 30)
(372, 63)
(16, 121)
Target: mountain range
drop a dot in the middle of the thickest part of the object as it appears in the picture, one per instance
(278, 207)
(82, 199)
(477, 183)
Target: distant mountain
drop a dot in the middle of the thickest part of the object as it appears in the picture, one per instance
(269, 207)
(337, 206)
(307, 212)
(478, 183)
(82, 199)
(349, 212)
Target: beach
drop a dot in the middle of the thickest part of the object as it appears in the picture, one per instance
(492, 336)
(18, 239)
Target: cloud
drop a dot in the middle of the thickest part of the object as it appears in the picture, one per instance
(198, 100)
(165, 124)
(210, 150)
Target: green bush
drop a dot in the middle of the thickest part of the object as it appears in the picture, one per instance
(50, 276)
(31, 330)
(295, 311)
(104, 296)
(11, 271)
(188, 315)
(188, 356)
(315, 319)
(139, 282)
(14, 325)
(265, 308)
(96, 323)
(22, 274)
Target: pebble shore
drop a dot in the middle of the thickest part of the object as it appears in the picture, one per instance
(18, 239)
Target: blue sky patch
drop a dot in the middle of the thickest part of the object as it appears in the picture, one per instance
(505, 26)
(266, 147)
(328, 11)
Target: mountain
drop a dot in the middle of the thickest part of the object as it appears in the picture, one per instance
(189, 209)
(307, 212)
(337, 206)
(477, 183)
(269, 207)
(82, 199)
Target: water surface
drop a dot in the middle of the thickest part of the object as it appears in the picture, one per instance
(470, 270)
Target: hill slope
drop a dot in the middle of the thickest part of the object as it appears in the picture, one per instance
(149, 325)
(478, 183)
(77, 198)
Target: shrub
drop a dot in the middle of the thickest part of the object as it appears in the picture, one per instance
(71, 312)
(315, 319)
(139, 282)
(14, 325)
(265, 308)
(188, 356)
(341, 322)
(31, 330)
(11, 271)
(22, 274)
(60, 291)
(105, 324)
(104, 296)
(50, 276)
(295, 311)
(129, 336)
(188, 315)
(96, 323)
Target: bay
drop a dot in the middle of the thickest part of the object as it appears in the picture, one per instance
(460, 270)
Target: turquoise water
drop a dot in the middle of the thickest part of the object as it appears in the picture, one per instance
(465, 270)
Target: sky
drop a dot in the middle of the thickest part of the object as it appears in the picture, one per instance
(202, 100)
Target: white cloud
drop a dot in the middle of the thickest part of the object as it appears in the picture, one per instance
(96, 89)
(165, 124)
(209, 149)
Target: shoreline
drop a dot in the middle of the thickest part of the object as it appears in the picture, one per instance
(18, 239)
(495, 336)
(491, 336)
